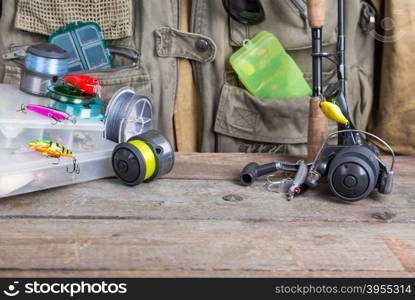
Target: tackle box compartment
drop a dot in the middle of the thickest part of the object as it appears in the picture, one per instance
(25, 171)
(18, 128)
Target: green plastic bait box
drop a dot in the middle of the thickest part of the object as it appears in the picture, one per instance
(267, 71)
(85, 44)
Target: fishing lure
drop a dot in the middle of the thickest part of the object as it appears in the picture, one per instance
(333, 112)
(87, 84)
(55, 114)
(54, 149)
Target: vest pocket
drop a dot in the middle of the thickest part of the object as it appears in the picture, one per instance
(127, 73)
(245, 123)
(114, 79)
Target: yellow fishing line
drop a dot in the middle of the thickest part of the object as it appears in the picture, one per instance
(148, 156)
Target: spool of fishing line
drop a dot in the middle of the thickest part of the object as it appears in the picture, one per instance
(143, 158)
(81, 112)
(69, 94)
(44, 64)
(128, 114)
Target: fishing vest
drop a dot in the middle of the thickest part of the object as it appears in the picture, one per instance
(146, 45)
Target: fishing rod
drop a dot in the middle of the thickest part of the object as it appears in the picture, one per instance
(333, 101)
(339, 91)
(317, 123)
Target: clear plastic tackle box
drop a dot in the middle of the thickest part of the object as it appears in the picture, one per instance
(18, 128)
(25, 171)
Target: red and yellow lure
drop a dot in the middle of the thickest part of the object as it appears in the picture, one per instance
(53, 149)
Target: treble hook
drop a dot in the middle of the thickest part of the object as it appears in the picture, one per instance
(22, 108)
(278, 186)
(75, 169)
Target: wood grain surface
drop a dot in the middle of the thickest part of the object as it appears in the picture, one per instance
(181, 226)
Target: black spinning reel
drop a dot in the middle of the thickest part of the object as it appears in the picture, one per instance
(352, 172)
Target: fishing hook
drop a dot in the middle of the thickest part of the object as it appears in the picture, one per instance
(75, 169)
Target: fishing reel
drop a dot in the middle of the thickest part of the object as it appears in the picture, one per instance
(353, 172)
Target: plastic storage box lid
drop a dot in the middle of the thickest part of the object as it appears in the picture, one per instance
(85, 44)
(25, 171)
(11, 100)
(48, 50)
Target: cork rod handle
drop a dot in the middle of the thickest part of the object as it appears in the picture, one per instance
(317, 129)
(316, 12)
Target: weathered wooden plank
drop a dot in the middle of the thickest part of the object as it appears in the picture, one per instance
(181, 226)
(214, 166)
(203, 200)
(201, 274)
(205, 246)
(226, 166)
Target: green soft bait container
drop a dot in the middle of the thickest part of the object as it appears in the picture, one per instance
(266, 69)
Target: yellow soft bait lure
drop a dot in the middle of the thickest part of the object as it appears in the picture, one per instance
(54, 149)
(333, 112)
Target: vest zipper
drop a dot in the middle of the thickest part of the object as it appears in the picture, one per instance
(301, 7)
(18, 53)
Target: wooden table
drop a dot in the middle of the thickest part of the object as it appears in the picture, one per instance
(181, 226)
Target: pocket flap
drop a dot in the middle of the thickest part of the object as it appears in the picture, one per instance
(175, 43)
(243, 116)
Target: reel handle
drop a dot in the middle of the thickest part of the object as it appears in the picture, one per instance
(316, 13)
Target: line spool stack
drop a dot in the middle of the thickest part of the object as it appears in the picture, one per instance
(78, 95)
(69, 94)
(44, 64)
(81, 112)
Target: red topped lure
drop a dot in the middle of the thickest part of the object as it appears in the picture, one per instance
(87, 84)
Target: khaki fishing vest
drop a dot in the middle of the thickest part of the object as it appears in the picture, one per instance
(394, 112)
(231, 119)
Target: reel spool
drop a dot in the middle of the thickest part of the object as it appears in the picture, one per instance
(143, 158)
(128, 114)
(44, 64)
